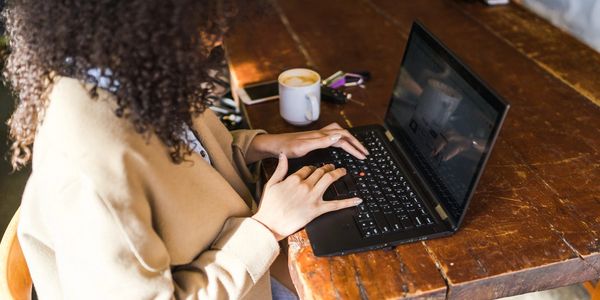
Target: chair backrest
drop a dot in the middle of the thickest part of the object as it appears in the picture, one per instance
(593, 289)
(15, 280)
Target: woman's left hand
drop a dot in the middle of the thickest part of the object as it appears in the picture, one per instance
(298, 144)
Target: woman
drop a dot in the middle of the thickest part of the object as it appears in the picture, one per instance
(120, 205)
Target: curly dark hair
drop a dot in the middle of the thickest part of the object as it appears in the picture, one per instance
(155, 56)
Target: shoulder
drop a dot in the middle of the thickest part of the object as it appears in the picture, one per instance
(74, 118)
(82, 131)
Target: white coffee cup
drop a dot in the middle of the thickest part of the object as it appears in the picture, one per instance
(299, 96)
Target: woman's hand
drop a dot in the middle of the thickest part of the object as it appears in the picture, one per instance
(289, 204)
(298, 144)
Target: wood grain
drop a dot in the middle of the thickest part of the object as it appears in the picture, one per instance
(561, 55)
(534, 222)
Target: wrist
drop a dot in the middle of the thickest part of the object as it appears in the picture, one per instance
(265, 146)
(256, 217)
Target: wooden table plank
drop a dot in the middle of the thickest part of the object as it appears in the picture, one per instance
(536, 212)
(406, 271)
(545, 143)
(348, 42)
(561, 55)
(415, 273)
(261, 47)
(573, 63)
(343, 45)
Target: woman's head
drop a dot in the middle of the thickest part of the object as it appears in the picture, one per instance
(154, 55)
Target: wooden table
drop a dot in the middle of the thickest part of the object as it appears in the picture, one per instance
(534, 222)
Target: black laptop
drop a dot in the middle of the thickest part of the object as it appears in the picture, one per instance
(425, 161)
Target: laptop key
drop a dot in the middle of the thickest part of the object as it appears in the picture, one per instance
(362, 186)
(373, 207)
(362, 208)
(363, 217)
(385, 229)
(366, 224)
(380, 219)
(392, 220)
(395, 204)
(366, 230)
(428, 220)
(417, 221)
(405, 221)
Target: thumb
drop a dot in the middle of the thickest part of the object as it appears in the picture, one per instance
(280, 171)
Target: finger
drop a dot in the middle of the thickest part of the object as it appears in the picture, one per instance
(327, 179)
(301, 174)
(318, 173)
(332, 126)
(327, 206)
(352, 140)
(355, 142)
(280, 171)
(350, 149)
(307, 145)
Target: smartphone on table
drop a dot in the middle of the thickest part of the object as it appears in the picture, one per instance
(259, 92)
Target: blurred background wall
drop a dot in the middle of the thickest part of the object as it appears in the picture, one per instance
(579, 17)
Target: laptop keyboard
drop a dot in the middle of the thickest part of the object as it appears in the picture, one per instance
(389, 202)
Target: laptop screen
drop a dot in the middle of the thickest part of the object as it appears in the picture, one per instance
(444, 118)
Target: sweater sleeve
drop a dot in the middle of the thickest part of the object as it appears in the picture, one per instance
(241, 142)
(101, 255)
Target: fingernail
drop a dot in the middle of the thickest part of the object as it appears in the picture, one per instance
(336, 137)
(358, 201)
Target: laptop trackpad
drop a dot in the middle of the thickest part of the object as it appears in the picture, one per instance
(333, 231)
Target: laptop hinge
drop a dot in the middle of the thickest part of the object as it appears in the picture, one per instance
(389, 135)
(440, 210)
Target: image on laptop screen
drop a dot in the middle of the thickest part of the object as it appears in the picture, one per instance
(445, 125)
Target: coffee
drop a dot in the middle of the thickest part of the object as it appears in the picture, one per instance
(299, 96)
(299, 80)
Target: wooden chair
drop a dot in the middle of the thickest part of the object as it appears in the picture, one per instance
(15, 280)
(593, 289)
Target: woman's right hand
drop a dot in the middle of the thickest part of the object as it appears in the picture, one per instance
(288, 204)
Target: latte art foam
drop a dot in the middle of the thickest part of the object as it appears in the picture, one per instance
(299, 80)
